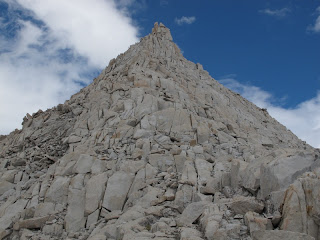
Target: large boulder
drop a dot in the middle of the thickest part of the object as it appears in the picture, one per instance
(191, 213)
(58, 191)
(283, 170)
(32, 223)
(273, 172)
(256, 222)
(301, 209)
(169, 121)
(117, 189)
(95, 188)
(242, 205)
(279, 235)
(161, 161)
(5, 186)
(75, 219)
(83, 164)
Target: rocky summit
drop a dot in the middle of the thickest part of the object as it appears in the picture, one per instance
(155, 148)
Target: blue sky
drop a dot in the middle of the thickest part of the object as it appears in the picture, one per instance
(275, 52)
(268, 51)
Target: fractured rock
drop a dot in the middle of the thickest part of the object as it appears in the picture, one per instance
(279, 235)
(117, 189)
(155, 148)
(256, 222)
(58, 191)
(5, 186)
(282, 171)
(95, 188)
(32, 223)
(75, 219)
(191, 213)
(83, 164)
(242, 205)
(301, 205)
(190, 234)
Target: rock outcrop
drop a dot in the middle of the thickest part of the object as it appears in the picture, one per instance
(155, 148)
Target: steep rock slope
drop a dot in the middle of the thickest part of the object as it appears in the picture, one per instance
(155, 148)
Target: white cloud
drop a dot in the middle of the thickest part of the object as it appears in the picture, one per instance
(185, 20)
(316, 26)
(49, 60)
(303, 120)
(95, 29)
(276, 12)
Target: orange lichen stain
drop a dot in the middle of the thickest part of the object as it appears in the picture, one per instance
(193, 142)
(285, 224)
(309, 209)
(308, 192)
(116, 135)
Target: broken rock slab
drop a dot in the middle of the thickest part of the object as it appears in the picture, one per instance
(83, 164)
(282, 171)
(190, 234)
(5, 186)
(256, 222)
(75, 219)
(58, 191)
(32, 223)
(117, 189)
(242, 205)
(161, 161)
(191, 213)
(95, 188)
(279, 235)
(12, 211)
(301, 209)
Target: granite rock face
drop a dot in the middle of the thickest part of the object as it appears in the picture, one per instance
(155, 148)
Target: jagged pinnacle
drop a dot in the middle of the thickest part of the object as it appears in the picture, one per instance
(160, 43)
(153, 47)
(160, 30)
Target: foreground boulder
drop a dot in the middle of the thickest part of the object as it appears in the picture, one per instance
(280, 235)
(301, 209)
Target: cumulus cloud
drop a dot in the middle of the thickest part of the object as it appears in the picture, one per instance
(303, 120)
(185, 20)
(57, 47)
(316, 26)
(276, 12)
(95, 29)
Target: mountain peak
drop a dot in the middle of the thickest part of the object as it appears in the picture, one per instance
(161, 31)
(155, 148)
(160, 43)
